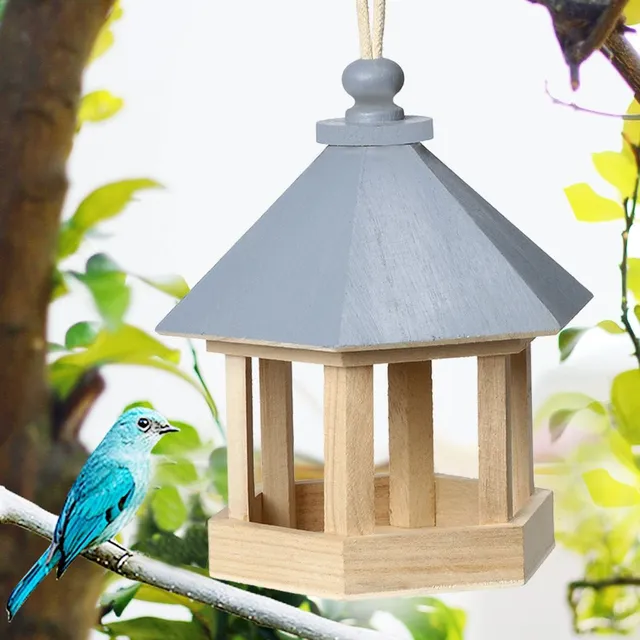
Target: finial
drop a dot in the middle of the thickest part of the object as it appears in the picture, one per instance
(373, 85)
(375, 119)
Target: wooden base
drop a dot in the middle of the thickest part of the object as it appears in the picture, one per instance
(456, 554)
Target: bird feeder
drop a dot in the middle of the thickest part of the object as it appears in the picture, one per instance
(378, 254)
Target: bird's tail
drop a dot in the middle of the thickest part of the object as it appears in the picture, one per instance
(31, 580)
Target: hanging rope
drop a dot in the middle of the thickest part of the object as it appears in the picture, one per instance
(371, 48)
(364, 29)
(379, 10)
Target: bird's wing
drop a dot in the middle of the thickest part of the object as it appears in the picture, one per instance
(100, 494)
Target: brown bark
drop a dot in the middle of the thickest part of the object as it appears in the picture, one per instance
(44, 47)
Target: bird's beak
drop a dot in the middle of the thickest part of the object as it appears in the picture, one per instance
(168, 428)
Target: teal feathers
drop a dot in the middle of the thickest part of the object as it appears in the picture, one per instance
(103, 499)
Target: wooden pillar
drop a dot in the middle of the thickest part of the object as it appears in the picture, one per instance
(240, 439)
(412, 497)
(521, 428)
(348, 450)
(276, 422)
(494, 409)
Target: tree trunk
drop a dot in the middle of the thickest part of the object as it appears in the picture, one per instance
(44, 47)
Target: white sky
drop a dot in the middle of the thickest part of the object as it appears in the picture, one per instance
(221, 105)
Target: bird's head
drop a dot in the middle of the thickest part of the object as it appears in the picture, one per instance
(142, 424)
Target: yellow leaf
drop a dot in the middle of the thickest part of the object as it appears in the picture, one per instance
(588, 206)
(631, 128)
(632, 12)
(617, 170)
(99, 105)
(610, 327)
(607, 492)
(633, 277)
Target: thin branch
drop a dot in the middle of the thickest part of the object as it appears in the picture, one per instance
(624, 268)
(594, 112)
(259, 609)
(207, 394)
(599, 585)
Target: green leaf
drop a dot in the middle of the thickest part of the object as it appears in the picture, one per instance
(81, 334)
(568, 339)
(636, 311)
(108, 288)
(98, 105)
(559, 421)
(179, 471)
(54, 347)
(187, 439)
(625, 398)
(104, 203)
(117, 601)
(127, 345)
(633, 277)
(173, 285)
(169, 511)
(138, 403)
(156, 628)
(59, 288)
(218, 472)
(607, 492)
(611, 327)
(588, 206)
(617, 170)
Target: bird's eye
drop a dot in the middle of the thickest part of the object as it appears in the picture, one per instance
(143, 423)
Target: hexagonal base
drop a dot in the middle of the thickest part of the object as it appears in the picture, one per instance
(453, 555)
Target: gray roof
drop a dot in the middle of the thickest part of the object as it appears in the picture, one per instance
(379, 246)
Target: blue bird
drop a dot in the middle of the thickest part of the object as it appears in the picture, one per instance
(104, 498)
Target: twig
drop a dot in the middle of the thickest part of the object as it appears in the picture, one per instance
(629, 218)
(207, 394)
(595, 112)
(259, 609)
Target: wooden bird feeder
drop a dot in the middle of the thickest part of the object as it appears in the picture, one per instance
(379, 254)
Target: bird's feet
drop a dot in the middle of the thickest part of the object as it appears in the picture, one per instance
(126, 554)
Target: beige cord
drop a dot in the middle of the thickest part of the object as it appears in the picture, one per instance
(379, 7)
(364, 28)
(371, 48)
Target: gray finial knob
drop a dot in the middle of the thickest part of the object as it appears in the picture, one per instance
(373, 85)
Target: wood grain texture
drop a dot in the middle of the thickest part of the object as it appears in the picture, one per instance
(351, 358)
(521, 428)
(412, 490)
(494, 440)
(456, 503)
(275, 557)
(276, 423)
(390, 247)
(240, 438)
(391, 561)
(348, 450)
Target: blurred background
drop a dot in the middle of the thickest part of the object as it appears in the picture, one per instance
(221, 100)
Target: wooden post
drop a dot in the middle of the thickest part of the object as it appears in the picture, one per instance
(348, 450)
(240, 439)
(521, 428)
(494, 486)
(276, 422)
(412, 501)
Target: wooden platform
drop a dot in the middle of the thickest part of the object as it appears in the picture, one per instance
(456, 554)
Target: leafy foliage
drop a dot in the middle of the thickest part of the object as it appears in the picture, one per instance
(597, 483)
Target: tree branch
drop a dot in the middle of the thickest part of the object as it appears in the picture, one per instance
(625, 60)
(259, 609)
